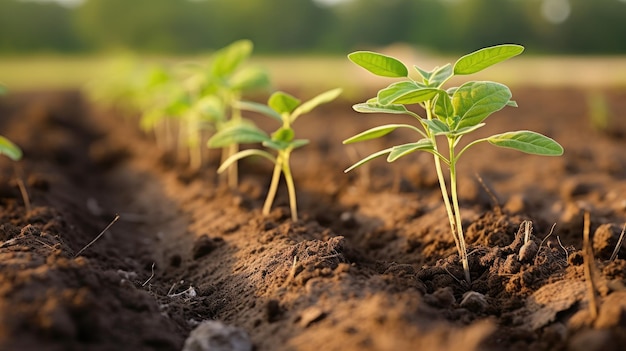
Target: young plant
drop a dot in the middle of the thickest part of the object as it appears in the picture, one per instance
(285, 109)
(228, 78)
(451, 113)
(7, 147)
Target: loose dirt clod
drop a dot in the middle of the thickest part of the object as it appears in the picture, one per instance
(217, 336)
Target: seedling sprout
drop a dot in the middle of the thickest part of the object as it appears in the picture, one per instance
(451, 113)
(285, 109)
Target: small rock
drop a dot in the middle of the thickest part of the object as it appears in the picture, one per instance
(348, 220)
(605, 239)
(311, 315)
(217, 336)
(442, 297)
(528, 251)
(474, 301)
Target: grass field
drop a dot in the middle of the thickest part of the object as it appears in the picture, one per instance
(321, 72)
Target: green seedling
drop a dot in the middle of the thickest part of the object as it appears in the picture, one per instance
(285, 109)
(228, 79)
(7, 147)
(451, 113)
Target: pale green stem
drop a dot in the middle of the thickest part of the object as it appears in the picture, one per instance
(233, 171)
(442, 184)
(290, 186)
(457, 213)
(271, 194)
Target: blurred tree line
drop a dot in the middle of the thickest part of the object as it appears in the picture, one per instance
(284, 26)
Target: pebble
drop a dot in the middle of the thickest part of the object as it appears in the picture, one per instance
(217, 336)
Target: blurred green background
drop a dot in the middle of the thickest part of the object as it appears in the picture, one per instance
(47, 42)
(329, 26)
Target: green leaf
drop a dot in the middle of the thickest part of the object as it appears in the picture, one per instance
(238, 134)
(242, 154)
(475, 101)
(283, 103)
(280, 145)
(424, 74)
(440, 75)
(528, 142)
(443, 106)
(483, 58)
(405, 149)
(249, 78)
(467, 130)
(436, 126)
(379, 64)
(407, 92)
(376, 132)
(227, 60)
(309, 105)
(211, 107)
(299, 143)
(259, 108)
(367, 107)
(283, 135)
(511, 103)
(9, 149)
(367, 159)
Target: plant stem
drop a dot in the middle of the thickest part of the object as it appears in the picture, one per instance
(442, 183)
(457, 213)
(233, 170)
(271, 194)
(290, 187)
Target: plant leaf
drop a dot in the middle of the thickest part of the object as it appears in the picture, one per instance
(405, 149)
(440, 75)
(309, 105)
(436, 126)
(528, 142)
(299, 143)
(238, 134)
(475, 101)
(483, 58)
(423, 73)
(367, 159)
(9, 149)
(244, 153)
(406, 92)
(249, 78)
(467, 130)
(367, 107)
(283, 135)
(443, 106)
(376, 132)
(259, 108)
(227, 60)
(379, 64)
(283, 103)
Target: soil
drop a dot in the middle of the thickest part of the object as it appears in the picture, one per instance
(370, 265)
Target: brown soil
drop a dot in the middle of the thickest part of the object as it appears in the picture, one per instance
(369, 266)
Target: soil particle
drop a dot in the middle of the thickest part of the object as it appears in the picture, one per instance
(605, 240)
(217, 336)
(204, 245)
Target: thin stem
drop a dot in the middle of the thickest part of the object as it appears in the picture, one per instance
(468, 146)
(290, 186)
(457, 213)
(442, 183)
(271, 194)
